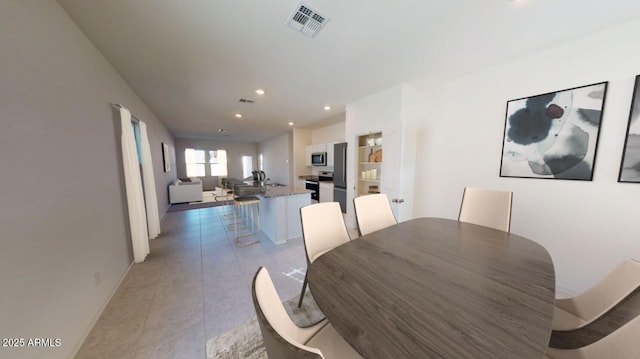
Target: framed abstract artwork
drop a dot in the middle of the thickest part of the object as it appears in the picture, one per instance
(553, 135)
(166, 159)
(630, 164)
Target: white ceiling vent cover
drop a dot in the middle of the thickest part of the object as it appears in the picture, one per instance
(306, 20)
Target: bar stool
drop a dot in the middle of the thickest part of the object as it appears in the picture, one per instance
(249, 209)
(230, 193)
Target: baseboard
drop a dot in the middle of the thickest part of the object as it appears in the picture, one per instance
(97, 316)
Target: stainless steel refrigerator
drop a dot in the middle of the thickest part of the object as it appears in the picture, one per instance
(340, 175)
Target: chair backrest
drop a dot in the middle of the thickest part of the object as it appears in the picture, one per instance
(486, 207)
(621, 344)
(323, 228)
(282, 337)
(373, 212)
(606, 293)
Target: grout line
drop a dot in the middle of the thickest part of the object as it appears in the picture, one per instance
(293, 274)
(183, 238)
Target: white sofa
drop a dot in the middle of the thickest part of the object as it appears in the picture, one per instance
(185, 191)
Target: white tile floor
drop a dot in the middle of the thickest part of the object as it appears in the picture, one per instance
(194, 285)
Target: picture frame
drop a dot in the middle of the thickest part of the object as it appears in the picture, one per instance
(166, 159)
(553, 135)
(630, 161)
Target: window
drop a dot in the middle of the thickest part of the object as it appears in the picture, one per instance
(247, 166)
(195, 162)
(137, 137)
(218, 162)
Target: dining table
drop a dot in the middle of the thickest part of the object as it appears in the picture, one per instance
(438, 288)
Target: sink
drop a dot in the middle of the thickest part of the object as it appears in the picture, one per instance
(276, 185)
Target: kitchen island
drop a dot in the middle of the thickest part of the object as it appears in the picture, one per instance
(280, 212)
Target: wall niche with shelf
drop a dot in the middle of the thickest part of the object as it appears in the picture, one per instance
(369, 163)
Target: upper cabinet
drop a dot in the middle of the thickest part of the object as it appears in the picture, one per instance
(321, 147)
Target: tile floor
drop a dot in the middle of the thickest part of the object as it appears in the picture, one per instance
(194, 285)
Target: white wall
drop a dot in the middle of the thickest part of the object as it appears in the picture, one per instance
(392, 112)
(64, 242)
(277, 158)
(330, 133)
(301, 139)
(587, 227)
(368, 115)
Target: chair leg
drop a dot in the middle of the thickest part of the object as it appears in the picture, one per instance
(304, 287)
(247, 213)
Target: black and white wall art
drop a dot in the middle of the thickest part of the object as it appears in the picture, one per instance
(630, 166)
(553, 135)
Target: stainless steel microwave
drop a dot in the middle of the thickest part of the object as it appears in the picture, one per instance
(319, 159)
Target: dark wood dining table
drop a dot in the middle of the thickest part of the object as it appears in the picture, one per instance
(438, 288)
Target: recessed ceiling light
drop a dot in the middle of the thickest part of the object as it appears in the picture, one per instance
(260, 91)
(327, 108)
(290, 123)
(238, 115)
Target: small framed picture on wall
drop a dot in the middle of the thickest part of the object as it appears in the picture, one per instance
(630, 164)
(553, 135)
(166, 158)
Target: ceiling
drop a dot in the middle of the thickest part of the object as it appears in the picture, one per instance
(191, 61)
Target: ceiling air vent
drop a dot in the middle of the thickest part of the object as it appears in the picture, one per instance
(306, 20)
(245, 100)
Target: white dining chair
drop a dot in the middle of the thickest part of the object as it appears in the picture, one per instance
(623, 343)
(323, 229)
(373, 212)
(581, 310)
(283, 339)
(486, 207)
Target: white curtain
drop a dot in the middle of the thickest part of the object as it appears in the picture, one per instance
(151, 200)
(133, 184)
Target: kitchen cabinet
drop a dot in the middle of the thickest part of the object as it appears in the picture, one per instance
(326, 191)
(369, 163)
(321, 147)
(280, 213)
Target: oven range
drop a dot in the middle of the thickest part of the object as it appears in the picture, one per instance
(313, 183)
